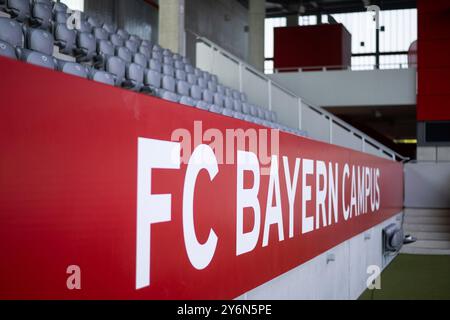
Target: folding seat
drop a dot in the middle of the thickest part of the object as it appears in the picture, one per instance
(157, 55)
(236, 94)
(73, 68)
(191, 79)
(228, 92)
(100, 34)
(206, 76)
(39, 40)
(134, 76)
(18, 9)
(132, 45)
(168, 89)
(253, 110)
(116, 40)
(102, 77)
(124, 54)
(105, 49)
(167, 53)
(124, 34)
(179, 65)
(65, 39)
(60, 18)
(11, 32)
(95, 23)
(170, 96)
(180, 75)
(243, 97)
(212, 86)
(168, 70)
(183, 90)
(198, 72)
(109, 28)
(188, 68)
(176, 56)
(216, 109)
(238, 115)
(246, 108)
(7, 50)
(221, 89)
(274, 116)
(237, 106)
(228, 103)
(155, 65)
(260, 113)
(185, 60)
(146, 51)
(228, 112)
(168, 60)
(152, 81)
(187, 101)
(86, 47)
(218, 100)
(202, 83)
(136, 39)
(214, 79)
(41, 16)
(59, 7)
(146, 43)
(267, 115)
(157, 48)
(38, 59)
(85, 27)
(140, 59)
(196, 92)
(117, 67)
(208, 96)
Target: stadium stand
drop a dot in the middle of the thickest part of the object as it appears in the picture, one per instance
(38, 30)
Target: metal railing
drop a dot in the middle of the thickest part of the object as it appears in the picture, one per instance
(331, 119)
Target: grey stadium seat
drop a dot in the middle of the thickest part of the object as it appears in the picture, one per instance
(187, 101)
(196, 92)
(168, 83)
(216, 109)
(167, 52)
(11, 32)
(105, 49)
(134, 76)
(136, 39)
(39, 40)
(214, 79)
(41, 16)
(146, 51)
(95, 23)
(202, 83)
(170, 96)
(140, 59)
(179, 65)
(203, 105)
(117, 67)
(238, 115)
(157, 48)
(228, 112)
(221, 89)
(124, 54)
(168, 70)
(85, 27)
(59, 7)
(102, 77)
(180, 75)
(246, 108)
(7, 50)
(60, 17)
(86, 47)
(208, 96)
(100, 34)
(191, 79)
(243, 97)
(228, 92)
(183, 88)
(237, 106)
(152, 81)
(228, 103)
(38, 59)
(168, 60)
(218, 99)
(147, 43)
(155, 65)
(65, 39)
(124, 34)
(116, 40)
(189, 68)
(18, 9)
(261, 113)
(157, 55)
(253, 110)
(133, 46)
(73, 69)
(109, 28)
(236, 95)
(212, 86)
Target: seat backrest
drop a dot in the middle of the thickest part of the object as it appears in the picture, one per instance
(124, 34)
(261, 113)
(179, 65)
(253, 110)
(39, 59)
(19, 9)
(125, 54)
(196, 92)
(168, 70)
(243, 97)
(168, 60)
(59, 7)
(208, 96)
(11, 32)
(183, 88)
(65, 38)
(186, 60)
(140, 59)
(153, 78)
(267, 115)
(101, 34)
(180, 75)
(146, 51)
(86, 42)
(102, 77)
(117, 67)
(157, 55)
(105, 48)
(218, 100)
(228, 103)
(227, 112)
(170, 96)
(73, 69)
(157, 47)
(189, 68)
(212, 86)
(132, 45)
(40, 40)
(221, 89)
(202, 83)
(85, 26)
(274, 116)
(236, 94)
(167, 52)
(116, 40)
(135, 73)
(60, 17)
(136, 39)
(246, 108)
(42, 14)
(147, 43)
(168, 83)
(191, 79)
(237, 106)
(95, 23)
(214, 79)
(228, 92)
(7, 50)
(187, 101)
(198, 72)
(155, 65)
(206, 75)
(110, 28)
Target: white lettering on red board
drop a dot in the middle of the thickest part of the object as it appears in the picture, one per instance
(363, 183)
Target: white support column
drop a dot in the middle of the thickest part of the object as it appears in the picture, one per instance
(300, 114)
(171, 25)
(256, 16)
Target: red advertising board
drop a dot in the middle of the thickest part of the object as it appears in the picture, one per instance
(95, 182)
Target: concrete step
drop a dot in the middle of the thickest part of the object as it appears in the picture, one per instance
(410, 212)
(414, 227)
(414, 250)
(427, 220)
(431, 244)
(423, 235)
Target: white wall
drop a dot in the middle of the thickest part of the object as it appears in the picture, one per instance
(352, 88)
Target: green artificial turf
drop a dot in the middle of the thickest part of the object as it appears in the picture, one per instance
(414, 277)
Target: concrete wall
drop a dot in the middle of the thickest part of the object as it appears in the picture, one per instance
(135, 16)
(319, 278)
(353, 88)
(221, 21)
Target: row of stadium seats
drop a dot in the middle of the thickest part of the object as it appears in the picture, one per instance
(103, 53)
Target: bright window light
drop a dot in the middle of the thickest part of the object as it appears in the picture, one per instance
(74, 4)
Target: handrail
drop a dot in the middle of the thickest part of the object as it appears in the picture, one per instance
(332, 118)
